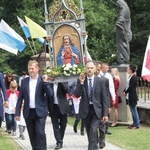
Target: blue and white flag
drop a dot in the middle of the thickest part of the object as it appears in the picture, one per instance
(41, 40)
(24, 27)
(26, 31)
(9, 39)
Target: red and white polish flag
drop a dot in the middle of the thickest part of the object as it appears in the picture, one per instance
(87, 56)
(146, 63)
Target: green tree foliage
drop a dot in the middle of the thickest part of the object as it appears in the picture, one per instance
(141, 29)
(100, 19)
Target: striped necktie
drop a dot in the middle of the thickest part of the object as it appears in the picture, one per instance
(90, 90)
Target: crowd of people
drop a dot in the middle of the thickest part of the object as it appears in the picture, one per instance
(93, 97)
(10, 93)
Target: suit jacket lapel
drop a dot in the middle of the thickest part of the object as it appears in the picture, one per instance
(28, 92)
(86, 87)
(37, 85)
(94, 83)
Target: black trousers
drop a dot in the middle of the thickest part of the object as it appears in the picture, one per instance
(59, 122)
(36, 130)
(91, 125)
(1, 119)
(77, 120)
(102, 132)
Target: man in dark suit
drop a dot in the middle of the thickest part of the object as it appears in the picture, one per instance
(102, 128)
(58, 107)
(93, 105)
(3, 96)
(32, 92)
(105, 73)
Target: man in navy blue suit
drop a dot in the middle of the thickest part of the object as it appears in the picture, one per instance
(3, 92)
(32, 92)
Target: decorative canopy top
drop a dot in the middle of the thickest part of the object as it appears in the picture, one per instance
(63, 10)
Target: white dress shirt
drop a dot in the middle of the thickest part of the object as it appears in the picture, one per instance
(127, 86)
(32, 88)
(111, 84)
(55, 93)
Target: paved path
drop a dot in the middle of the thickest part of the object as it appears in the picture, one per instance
(72, 141)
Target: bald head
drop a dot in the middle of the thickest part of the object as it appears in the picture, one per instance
(105, 67)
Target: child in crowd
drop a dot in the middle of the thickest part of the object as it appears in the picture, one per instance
(21, 125)
(12, 95)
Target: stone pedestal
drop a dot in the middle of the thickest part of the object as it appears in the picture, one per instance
(43, 61)
(124, 114)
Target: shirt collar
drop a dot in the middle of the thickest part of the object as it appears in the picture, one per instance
(103, 73)
(90, 77)
(35, 78)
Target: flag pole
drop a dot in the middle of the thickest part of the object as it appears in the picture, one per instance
(85, 48)
(30, 46)
(83, 29)
(34, 46)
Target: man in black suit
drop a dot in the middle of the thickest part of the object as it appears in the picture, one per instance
(102, 128)
(58, 107)
(93, 105)
(105, 73)
(3, 96)
(32, 92)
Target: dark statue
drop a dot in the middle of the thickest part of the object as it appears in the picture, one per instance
(123, 32)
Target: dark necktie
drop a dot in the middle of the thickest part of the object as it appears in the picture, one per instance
(90, 90)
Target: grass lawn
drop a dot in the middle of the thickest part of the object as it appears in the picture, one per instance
(126, 138)
(8, 143)
(130, 139)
